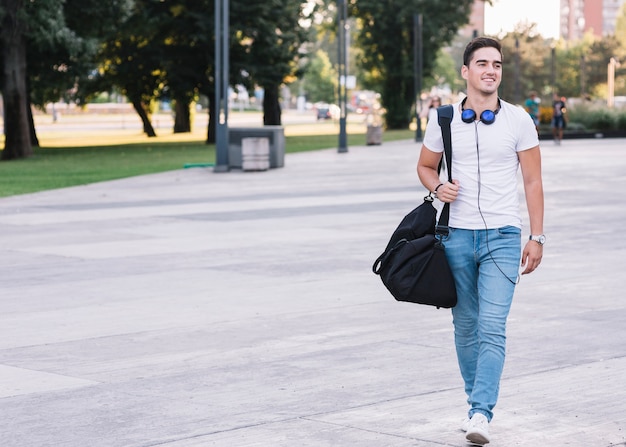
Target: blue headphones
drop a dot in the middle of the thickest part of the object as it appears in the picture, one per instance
(487, 117)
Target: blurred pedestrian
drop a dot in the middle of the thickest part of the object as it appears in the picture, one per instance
(558, 117)
(431, 111)
(532, 107)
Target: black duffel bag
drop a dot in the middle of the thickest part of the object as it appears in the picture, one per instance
(414, 267)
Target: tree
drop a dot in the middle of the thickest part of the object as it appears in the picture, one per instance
(162, 50)
(14, 93)
(46, 47)
(49, 53)
(26, 25)
(320, 79)
(62, 57)
(134, 67)
(386, 38)
(620, 27)
(527, 63)
(187, 48)
(620, 35)
(271, 36)
(598, 57)
(581, 66)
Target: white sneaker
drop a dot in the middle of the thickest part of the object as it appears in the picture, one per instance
(478, 429)
(465, 424)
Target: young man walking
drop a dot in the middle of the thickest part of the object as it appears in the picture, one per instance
(491, 139)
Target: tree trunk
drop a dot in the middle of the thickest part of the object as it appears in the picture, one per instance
(34, 141)
(271, 106)
(212, 128)
(16, 123)
(141, 110)
(182, 122)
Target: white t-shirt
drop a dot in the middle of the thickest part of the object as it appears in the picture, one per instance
(432, 114)
(484, 161)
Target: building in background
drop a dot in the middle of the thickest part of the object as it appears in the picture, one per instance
(474, 28)
(476, 25)
(610, 13)
(581, 16)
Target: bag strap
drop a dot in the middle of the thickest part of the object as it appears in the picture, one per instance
(444, 116)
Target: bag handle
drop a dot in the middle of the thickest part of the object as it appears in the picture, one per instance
(444, 116)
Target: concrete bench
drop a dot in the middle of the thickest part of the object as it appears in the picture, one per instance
(275, 135)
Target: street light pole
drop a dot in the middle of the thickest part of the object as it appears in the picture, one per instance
(611, 81)
(517, 85)
(553, 68)
(342, 64)
(583, 93)
(417, 72)
(221, 86)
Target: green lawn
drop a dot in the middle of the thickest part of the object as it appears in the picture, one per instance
(59, 167)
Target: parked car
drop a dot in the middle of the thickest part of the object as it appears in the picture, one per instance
(326, 111)
(323, 113)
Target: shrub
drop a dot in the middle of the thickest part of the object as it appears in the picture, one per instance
(575, 126)
(545, 114)
(621, 120)
(601, 119)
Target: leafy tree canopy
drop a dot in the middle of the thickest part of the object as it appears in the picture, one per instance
(386, 38)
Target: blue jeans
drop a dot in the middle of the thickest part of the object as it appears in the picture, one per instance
(558, 122)
(485, 266)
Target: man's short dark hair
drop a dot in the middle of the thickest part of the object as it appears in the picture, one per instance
(478, 43)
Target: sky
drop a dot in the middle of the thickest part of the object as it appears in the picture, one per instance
(505, 14)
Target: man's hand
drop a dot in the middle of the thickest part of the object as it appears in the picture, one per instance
(531, 256)
(448, 192)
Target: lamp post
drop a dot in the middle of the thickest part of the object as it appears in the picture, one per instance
(553, 68)
(221, 85)
(417, 71)
(517, 85)
(342, 65)
(611, 81)
(583, 93)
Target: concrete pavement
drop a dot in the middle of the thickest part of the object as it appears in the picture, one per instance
(190, 309)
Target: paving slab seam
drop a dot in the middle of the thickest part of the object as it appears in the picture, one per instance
(299, 418)
(562, 368)
(312, 418)
(217, 432)
(378, 432)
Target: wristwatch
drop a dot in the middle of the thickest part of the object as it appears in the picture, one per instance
(540, 239)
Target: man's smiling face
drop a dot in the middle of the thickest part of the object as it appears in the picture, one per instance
(484, 72)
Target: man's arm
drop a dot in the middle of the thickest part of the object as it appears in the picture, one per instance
(427, 172)
(530, 162)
